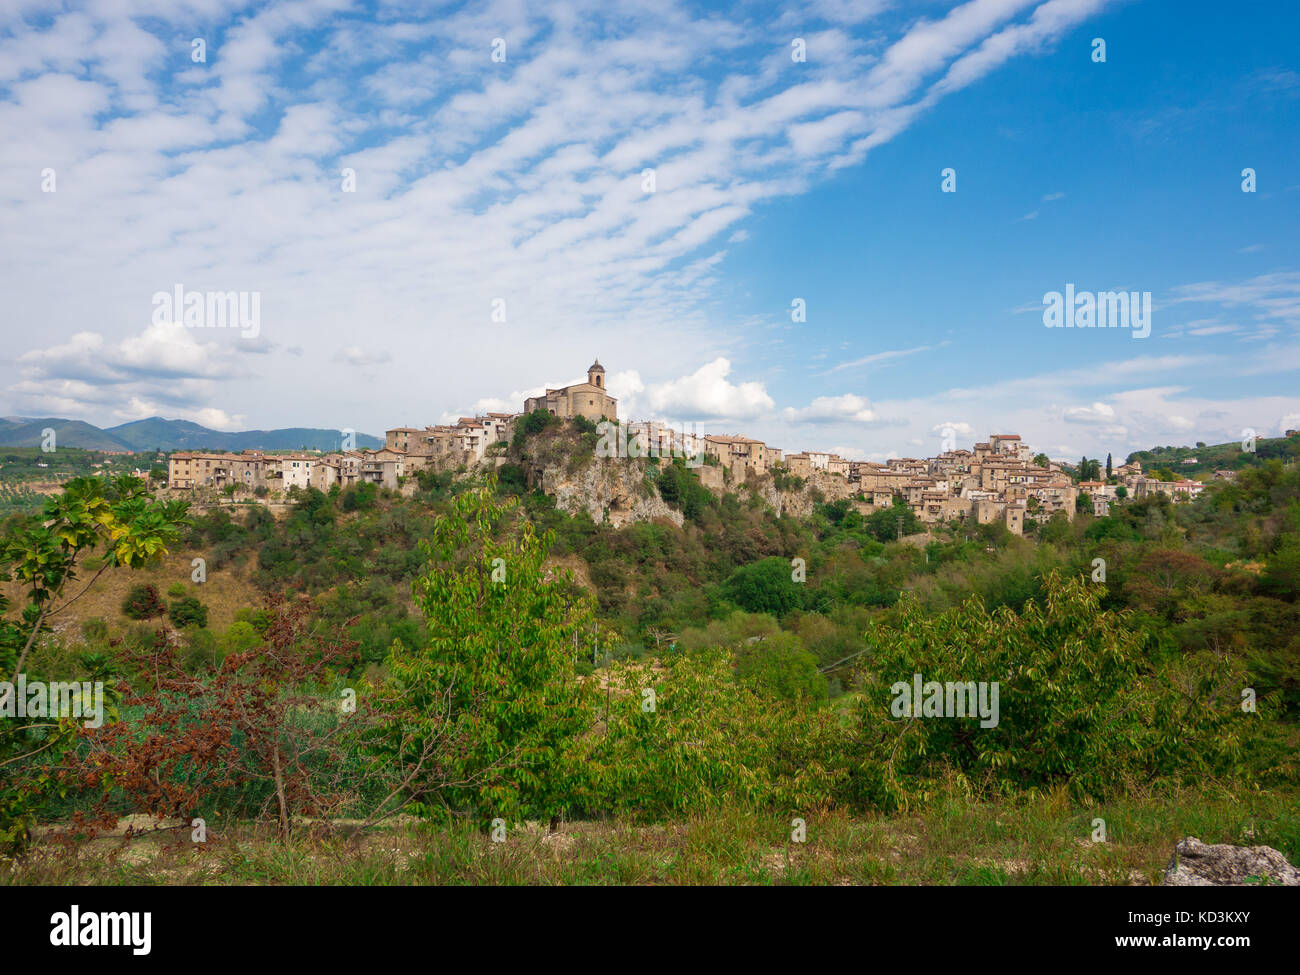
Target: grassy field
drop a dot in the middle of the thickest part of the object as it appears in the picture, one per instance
(1044, 842)
(225, 592)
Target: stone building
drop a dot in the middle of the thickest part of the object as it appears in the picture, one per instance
(405, 439)
(590, 399)
(295, 469)
(188, 469)
(739, 455)
(1178, 490)
(799, 464)
(382, 467)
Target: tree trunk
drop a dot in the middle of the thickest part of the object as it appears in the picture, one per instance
(279, 793)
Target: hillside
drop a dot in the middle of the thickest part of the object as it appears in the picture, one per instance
(771, 623)
(1207, 458)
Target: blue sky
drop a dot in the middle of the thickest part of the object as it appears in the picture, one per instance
(517, 184)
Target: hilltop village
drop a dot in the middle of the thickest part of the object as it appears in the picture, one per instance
(1000, 480)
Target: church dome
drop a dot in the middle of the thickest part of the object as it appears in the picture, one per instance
(596, 367)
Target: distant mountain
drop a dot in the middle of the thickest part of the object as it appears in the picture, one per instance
(26, 431)
(156, 433)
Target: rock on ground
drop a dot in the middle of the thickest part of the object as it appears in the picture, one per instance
(1197, 864)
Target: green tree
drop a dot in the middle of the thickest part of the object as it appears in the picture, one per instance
(512, 479)
(779, 667)
(1080, 701)
(494, 694)
(359, 497)
(188, 612)
(531, 423)
(882, 525)
(1282, 568)
(94, 525)
(679, 486)
(765, 586)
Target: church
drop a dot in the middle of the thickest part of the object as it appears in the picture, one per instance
(590, 399)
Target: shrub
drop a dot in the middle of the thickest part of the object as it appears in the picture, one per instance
(1081, 704)
(709, 741)
(359, 497)
(92, 518)
(783, 480)
(729, 632)
(1282, 568)
(143, 603)
(779, 667)
(534, 422)
(680, 487)
(200, 652)
(188, 612)
(250, 740)
(239, 636)
(511, 479)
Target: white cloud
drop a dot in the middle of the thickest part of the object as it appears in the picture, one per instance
(850, 453)
(1096, 413)
(165, 369)
(474, 180)
(888, 356)
(707, 394)
(219, 419)
(827, 409)
(1272, 296)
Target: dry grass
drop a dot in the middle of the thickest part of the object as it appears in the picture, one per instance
(225, 592)
(1040, 843)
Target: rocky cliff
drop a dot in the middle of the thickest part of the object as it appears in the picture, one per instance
(564, 466)
(617, 488)
(819, 486)
(614, 488)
